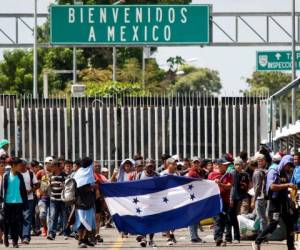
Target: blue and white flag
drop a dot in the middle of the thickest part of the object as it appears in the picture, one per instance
(161, 204)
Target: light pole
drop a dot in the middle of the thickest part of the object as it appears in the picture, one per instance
(115, 49)
(35, 59)
(294, 75)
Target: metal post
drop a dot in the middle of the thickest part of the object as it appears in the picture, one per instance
(45, 85)
(74, 66)
(143, 69)
(37, 138)
(116, 134)
(58, 131)
(66, 132)
(114, 63)
(184, 131)
(170, 130)
(129, 132)
(294, 68)
(35, 59)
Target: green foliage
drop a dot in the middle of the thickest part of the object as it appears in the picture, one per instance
(175, 62)
(114, 88)
(130, 72)
(16, 71)
(268, 81)
(95, 75)
(202, 79)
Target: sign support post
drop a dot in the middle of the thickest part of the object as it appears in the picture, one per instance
(35, 58)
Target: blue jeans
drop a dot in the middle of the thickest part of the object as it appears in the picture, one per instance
(27, 219)
(57, 208)
(194, 231)
(261, 209)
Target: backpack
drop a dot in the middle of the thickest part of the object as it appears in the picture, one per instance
(68, 194)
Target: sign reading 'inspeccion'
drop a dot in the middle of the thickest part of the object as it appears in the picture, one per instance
(130, 24)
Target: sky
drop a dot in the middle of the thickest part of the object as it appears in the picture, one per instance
(234, 64)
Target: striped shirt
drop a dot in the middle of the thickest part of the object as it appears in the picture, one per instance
(56, 186)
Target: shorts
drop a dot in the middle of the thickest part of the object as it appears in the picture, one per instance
(43, 206)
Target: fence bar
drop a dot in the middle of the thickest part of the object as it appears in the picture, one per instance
(163, 129)
(205, 130)
(170, 130)
(149, 132)
(122, 129)
(241, 107)
(87, 132)
(101, 135)
(73, 132)
(227, 125)
(58, 132)
(177, 129)
(191, 131)
(16, 131)
(199, 130)
(213, 142)
(66, 132)
(234, 127)
(51, 132)
(248, 129)
(135, 135)
(37, 138)
(220, 135)
(80, 130)
(45, 133)
(129, 133)
(116, 134)
(8, 128)
(255, 127)
(108, 140)
(184, 131)
(156, 135)
(30, 132)
(23, 131)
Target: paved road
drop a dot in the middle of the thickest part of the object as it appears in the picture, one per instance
(113, 241)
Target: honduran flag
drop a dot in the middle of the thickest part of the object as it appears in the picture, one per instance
(161, 204)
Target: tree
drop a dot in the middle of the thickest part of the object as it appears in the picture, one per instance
(268, 81)
(130, 72)
(200, 79)
(111, 88)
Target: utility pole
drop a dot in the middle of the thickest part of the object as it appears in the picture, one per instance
(74, 66)
(35, 59)
(115, 49)
(294, 68)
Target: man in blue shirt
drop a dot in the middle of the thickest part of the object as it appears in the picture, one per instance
(296, 174)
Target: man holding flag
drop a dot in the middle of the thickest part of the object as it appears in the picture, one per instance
(157, 204)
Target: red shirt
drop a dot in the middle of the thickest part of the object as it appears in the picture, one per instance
(193, 173)
(225, 194)
(100, 178)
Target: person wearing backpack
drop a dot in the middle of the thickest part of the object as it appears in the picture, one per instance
(43, 176)
(259, 201)
(31, 184)
(280, 204)
(85, 222)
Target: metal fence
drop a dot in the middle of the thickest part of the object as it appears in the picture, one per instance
(110, 129)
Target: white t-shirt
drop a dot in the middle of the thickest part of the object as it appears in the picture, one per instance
(27, 181)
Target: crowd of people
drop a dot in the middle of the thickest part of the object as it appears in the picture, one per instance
(34, 202)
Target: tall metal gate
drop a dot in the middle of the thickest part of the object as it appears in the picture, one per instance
(110, 129)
